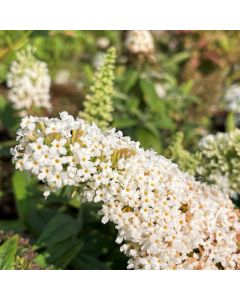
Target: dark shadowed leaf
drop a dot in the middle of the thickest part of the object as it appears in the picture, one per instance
(87, 262)
(147, 139)
(59, 228)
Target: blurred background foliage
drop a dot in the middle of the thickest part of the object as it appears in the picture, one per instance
(179, 88)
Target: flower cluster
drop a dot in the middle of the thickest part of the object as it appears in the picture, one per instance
(98, 106)
(232, 99)
(220, 160)
(165, 219)
(29, 83)
(140, 43)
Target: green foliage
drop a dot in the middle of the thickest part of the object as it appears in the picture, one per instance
(12, 40)
(7, 253)
(59, 228)
(16, 253)
(25, 192)
(8, 117)
(64, 232)
(98, 106)
(187, 162)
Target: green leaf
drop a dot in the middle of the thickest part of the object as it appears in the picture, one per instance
(37, 217)
(59, 228)
(170, 80)
(151, 98)
(147, 139)
(8, 116)
(3, 103)
(12, 225)
(224, 42)
(164, 123)
(28, 201)
(186, 87)
(124, 122)
(7, 253)
(97, 242)
(41, 261)
(87, 262)
(5, 148)
(61, 254)
(180, 57)
(130, 80)
(133, 105)
(88, 72)
(3, 72)
(152, 128)
(20, 182)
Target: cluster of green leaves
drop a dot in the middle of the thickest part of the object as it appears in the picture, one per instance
(148, 117)
(16, 253)
(67, 234)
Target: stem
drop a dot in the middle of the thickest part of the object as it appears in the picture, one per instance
(230, 122)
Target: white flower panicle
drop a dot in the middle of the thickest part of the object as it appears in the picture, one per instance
(165, 219)
(140, 42)
(103, 42)
(29, 83)
(232, 99)
(220, 160)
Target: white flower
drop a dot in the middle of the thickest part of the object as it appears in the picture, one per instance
(46, 193)
(160, 90)
(62, 77)
(232, 98)
(57, 147)
(165, 219)
(29, 83)
(140, 42)
(103, 42)
(98, 60)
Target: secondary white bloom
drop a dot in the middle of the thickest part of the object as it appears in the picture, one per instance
(98, 60)
(29, 83)
(219, 161)
(140, 42)
(165, 219)
(103, 42)
(160, 90)
(232, 98)
(62, 77)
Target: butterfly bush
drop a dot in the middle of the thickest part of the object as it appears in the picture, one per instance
(29, 83)
(140, 43)
(165, 218)
(220, 160)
